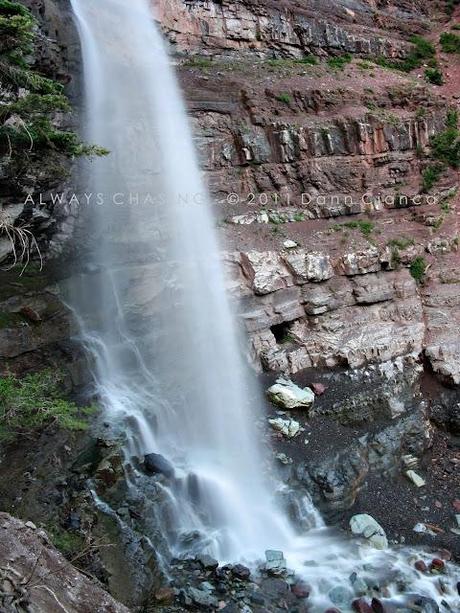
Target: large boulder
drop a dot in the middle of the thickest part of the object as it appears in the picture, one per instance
(366, 526)
(40, 579)
(154, 463)
(288, 395)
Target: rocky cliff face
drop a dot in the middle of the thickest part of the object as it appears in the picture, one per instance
(294, 149)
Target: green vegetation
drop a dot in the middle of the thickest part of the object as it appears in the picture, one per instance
(445, 146)
(27, 119)
(284, 97)
(418, 268)
(366, 227)
(309, 60)
(339, 62)
(456, 26)
(430, 176)
(299, 216)
(422, 51)
(70, 544)
(434, 76)
(401, 242)
(450, 42)
(420, 113)
(450, 6)
(34, 402)
(445, 149)
(199, 62)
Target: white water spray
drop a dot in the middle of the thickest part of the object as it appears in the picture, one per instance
(154, 313)
(180, 383)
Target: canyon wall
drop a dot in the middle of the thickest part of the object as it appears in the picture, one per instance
(295, 151)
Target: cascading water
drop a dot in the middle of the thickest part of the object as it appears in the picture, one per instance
(180, 383)
(154, 314)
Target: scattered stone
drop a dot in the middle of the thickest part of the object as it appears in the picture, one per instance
(275, 563)
(423, 604)
(155, 463)
(457, 519)
(30, 314)
(340, 596)
(202, 598)
(421, 566)
(437, 565)
(377, 606)
(361, 606)
(165, 595)
(288, 395)
(31, 525)
(301, 590)
(365, 525)
(360, 587)
(287, 427)
(422, 528)
(207, 561)
(283, 458)
(444, 554)
(241, 572)
(415, 478)
(318, 388)
(290, 244)
(409, 461)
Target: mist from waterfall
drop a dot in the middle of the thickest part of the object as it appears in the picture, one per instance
(158, 324)
(178, 384)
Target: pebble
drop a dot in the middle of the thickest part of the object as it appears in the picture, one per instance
(318, 388)
(437, 564)
(207, 561)
(415, 478)
(241, 572)
(421, 566)
(301, 590)
(361, 606)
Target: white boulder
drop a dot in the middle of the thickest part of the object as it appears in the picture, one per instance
(288, 395)
(366, 526)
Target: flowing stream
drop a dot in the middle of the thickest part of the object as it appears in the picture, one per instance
(157, 322)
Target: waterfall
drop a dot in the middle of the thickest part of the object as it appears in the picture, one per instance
(172, 374)
(155, 317)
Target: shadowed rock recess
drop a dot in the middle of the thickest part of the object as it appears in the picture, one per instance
(332, 159)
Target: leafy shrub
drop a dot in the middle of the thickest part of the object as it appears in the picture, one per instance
(418, 268)
(434, 76)
(445, 146)
(401, 242)
(32, 116)
(30, 404)
(450, 42)
(311, 60)
(339, 62)
(422, 51)
(450, 6)
(284, 97)
(430, 176)
(365, 226)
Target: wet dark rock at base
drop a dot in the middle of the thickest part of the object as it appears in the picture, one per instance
(154, 463)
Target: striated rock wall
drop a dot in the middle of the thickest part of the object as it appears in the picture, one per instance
(291, 27)
(308, 309)
(294, 149)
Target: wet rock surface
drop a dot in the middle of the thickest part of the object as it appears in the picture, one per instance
(36, 577)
